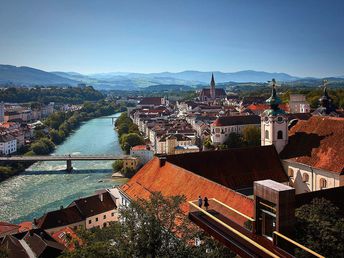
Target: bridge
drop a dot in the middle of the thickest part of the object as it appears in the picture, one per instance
(67, 158)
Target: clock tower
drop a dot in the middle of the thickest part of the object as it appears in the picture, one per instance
(274, 122)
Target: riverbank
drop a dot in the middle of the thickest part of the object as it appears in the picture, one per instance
(60, 125)
(45, 186)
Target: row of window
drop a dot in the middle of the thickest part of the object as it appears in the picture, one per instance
(305, 178)
(279, 134)
(104, 217)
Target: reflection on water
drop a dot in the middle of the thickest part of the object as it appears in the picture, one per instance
(46, 186)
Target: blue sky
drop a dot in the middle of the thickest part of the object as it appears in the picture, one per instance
(304, 38)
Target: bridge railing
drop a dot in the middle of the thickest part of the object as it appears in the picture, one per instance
(292, 247)
(194, 208)
(234, 215)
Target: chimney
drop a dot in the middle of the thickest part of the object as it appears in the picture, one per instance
(35, 221)
(162, 161)
(101, 197)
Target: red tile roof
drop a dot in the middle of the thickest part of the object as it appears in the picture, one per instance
(7, 228)
(61, 237)
(139, 147)
(172, 180)
(151, 101)
(317, 142)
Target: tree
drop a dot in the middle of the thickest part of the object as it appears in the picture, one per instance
(208, 144)
(128, 172)
(117, 165)
(320, 227)
(156, 227)
(123, 129)
(55, 136)
(234, 140)
(130, 140)
(251, 135)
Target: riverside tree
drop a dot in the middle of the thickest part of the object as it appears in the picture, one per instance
(149, 228)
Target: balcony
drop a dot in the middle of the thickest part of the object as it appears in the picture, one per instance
(237, 231)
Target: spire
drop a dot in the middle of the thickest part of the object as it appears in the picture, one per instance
(212, 83)
(273, 101)
(212, 87)
(326, 107)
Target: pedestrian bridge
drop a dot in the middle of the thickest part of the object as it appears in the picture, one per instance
(67, 158)
(237, 232)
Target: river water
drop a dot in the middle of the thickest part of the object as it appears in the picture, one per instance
(45, 186)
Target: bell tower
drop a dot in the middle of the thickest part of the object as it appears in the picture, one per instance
(274, 122)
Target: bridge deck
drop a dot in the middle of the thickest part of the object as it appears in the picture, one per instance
(66, 157)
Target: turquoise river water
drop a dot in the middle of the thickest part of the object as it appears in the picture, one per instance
(45, 186)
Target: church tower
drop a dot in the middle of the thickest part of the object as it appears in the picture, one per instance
(212, 87)
(274, 122)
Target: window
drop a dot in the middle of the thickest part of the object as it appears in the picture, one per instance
(96, 219)
(305, 177)
(104, 225)
(323, 183)
(217, 130)
(89, 221)
(279, 135)
(104, 217)
(291, 172)
(112, 214)
(266, 134)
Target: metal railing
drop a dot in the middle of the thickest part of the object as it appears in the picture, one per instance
(294, 243)
(236, 232)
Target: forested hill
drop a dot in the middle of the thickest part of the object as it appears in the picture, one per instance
(72, 95)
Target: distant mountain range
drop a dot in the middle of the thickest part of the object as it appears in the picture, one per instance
(27, 76)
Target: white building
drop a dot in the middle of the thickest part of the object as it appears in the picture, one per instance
(298, 104)
(8, 144)
(142, 152)
(168, 143)
(223, 126)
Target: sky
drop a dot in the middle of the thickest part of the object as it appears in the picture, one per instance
(302, 38)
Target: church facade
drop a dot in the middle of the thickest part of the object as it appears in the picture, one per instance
(212, 93)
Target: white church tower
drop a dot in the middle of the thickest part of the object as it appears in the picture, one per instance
(274, 122)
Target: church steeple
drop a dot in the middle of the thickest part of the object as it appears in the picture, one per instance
(326, 107)
(212, 87)
(274, 122)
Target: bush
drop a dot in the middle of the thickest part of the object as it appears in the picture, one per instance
(117, 165)
(128, 172)
(130, 140)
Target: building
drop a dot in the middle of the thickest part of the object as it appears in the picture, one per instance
(274, 123)
(143, 153)
(314, 158)
(94, 211)
(8, 229)
(326, 107)
(132, 163)
(168, 143)
(33, 243)
(8, 144)
(223, 126)
(298, 104)
(152, 102)
(212, 93)
(67, 237)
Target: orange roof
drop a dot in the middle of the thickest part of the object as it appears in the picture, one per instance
(262, 107)
(139, 147)
(61, 237)
(7, 227)
(25, 226)
(172, 180)
(317, 142)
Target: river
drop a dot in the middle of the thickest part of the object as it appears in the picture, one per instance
(45, 186)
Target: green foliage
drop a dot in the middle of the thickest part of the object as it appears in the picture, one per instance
(130, 140)
(5, 172)
(117, 165)
(128, 172)
(234, 140)
(251, 135)
(208, 144)
(320, 227)
(149, 228)
(70, 95)
(43, 146)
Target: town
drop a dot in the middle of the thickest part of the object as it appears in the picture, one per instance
(198, 148)
(171, 129)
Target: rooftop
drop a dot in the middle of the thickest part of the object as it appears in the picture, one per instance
(317, 142)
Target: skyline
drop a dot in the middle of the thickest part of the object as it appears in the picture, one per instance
(301, 39)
